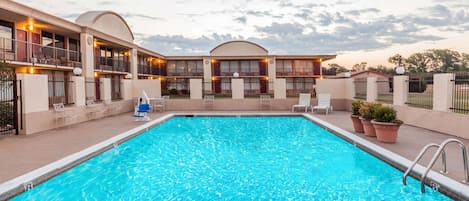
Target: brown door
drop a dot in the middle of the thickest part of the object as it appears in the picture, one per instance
(263, 86)
(216, 69)
(21, 45)
(217, 86)
(262, 68)
(317, 68)
(36, 45)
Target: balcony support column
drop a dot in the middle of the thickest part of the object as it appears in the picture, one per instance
(133, 63)
(87, 55)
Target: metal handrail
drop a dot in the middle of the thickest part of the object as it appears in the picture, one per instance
(437, 154)
(419, 156)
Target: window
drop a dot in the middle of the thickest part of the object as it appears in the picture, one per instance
(171, 66)
(254, 66)
(180, 66)
(225, 84)
(287, 66)
(73, 46)
(225, 66)
(251, 84)
(179, 84)
(245, 66)
(279, 66)
(58, 85)
(47, 39)
(6, 35)
(200, 67)
(234, 66)
(289, 83)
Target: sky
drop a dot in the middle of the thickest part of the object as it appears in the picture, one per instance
(356, 30)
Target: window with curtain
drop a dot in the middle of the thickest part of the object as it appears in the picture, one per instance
(225, 66)
(245, 66)
(254, 66)
(6, 35)
(171, 66)
(289, 83)
(180, 66)
(226, 84)
(234, 66)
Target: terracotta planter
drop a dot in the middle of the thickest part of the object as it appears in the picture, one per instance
(368, 128)
(357, 123)
(386, 132)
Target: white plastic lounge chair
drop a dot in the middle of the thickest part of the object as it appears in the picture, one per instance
(324, 103)
(303, 102)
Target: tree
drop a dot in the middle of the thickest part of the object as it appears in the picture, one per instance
(339, 68)
(418, 62)
(359, 67)
(445, 60)
(396, 59)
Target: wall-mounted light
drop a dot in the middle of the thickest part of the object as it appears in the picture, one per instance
(320, 59)
(150, 78)
(77, 71)
(235, 74)
(126, 53)
(400, 70)
(214, 61)
(95, 43)
(30, 27)
(266, 78)
(95, 74)
(31, 70)
(321, 77)
(214, 78)
(266, 60)
(128, 76)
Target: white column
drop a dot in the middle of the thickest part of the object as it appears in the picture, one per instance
(280, 88)
(349, 89)
(207, 82)
(105, 89)
(237, 88)
(272, 73)
(371, 89)
(133, 63)
(78, 90)
(400, 89)
(442, 91)
(87, 55)
(195, 88)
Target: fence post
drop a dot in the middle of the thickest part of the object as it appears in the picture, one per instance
(442, 91)
(195, 87)
(78, 90)
(400, 89)
(371, 89)
(280, 88)
(237, 88)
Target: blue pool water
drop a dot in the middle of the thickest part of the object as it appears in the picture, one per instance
(232, 158)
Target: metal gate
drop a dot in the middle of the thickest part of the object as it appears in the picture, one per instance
(10, 101)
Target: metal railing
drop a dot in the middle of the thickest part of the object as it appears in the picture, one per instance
(360, 88)
(461, 93)
(149, 69)
(60, 91)
(420, 91)
(21, 51)
(185, 73)
(297, 72)
(112, 64)
(177, 88)
(385, 90)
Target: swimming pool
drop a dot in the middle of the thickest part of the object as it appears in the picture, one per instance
(232, 158)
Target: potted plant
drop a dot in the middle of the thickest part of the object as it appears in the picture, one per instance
(357, 123)
(366, 111)
(386, 125)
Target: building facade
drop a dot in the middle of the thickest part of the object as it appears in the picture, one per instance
(99, 48)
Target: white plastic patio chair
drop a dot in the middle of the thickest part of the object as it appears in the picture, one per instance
(303, 102)
(60, 113)
(324, 103)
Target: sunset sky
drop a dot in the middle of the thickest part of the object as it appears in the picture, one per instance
(355, 30)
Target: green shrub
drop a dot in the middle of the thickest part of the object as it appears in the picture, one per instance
(367, 109)
(7, 117)
(386, 114)
(164, 92)
(173, 92)
(356, 107)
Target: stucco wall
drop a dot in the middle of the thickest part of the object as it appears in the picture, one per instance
(335, 87)
(151, 87)
(238, 48)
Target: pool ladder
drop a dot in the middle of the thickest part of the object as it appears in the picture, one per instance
(440, 151)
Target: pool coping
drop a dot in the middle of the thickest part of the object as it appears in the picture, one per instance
(22, 183)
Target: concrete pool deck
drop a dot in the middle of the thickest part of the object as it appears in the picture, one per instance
(22, 154)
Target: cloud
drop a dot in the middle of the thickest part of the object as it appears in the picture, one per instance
(241, 19)
(130, 15)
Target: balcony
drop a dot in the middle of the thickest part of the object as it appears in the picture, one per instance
(12, 50)
(111, 64)
(296, 72)
(148, 70)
